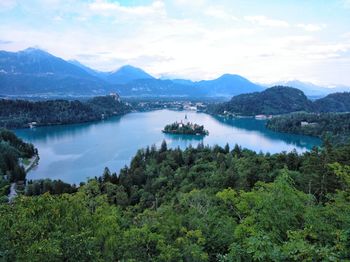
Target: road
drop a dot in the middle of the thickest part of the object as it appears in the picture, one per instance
(13, 193)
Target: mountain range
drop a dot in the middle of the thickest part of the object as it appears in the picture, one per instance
(34, 72)
(311, 90)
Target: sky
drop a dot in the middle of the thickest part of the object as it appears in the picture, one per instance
(264, 41)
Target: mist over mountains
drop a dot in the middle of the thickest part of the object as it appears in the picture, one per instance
(311, 89)
(34, 72)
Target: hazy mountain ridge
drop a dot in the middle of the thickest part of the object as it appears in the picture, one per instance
(312, 90)
(33, 71)
(229, 84)
(36, 72)
(135, 79)
(33, 61)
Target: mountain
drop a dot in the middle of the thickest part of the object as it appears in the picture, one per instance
(126, 74)
(224, 86)
(228, 85)
(156, 88)
(93, 72)
(312, 90)
(34, 71)
(337, 102)
(183, 82)
(309, 89)
(36, 62)
(274, 100)
(121, 76)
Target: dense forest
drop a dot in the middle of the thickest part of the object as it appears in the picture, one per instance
(281, 100)
(337, 102)
(19, 113)
(198, 204)
(333, 126)
(11, 150)
(54, 187)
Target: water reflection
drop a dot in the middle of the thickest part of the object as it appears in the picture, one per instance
(57, 132)
(251, 124)
(178, 137)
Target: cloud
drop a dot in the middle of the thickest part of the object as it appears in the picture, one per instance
(58, 18)
(6, 5)
(219, 13)
(5, 42)
(190, 4)
(87, 56)
(346, 3)
(191, 39)
(265, 21)
(103, 7)
(311, 27)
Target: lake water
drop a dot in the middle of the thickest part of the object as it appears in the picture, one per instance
(73, 153)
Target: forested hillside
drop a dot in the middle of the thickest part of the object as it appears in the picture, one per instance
(11, 149)
(334, 126)
(274, 100)
(281, 100)
(200, 204)
(337, 102)
(19, 113)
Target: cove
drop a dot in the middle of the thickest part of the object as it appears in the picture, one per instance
(74, 153)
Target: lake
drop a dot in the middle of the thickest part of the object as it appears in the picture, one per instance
(73, 153)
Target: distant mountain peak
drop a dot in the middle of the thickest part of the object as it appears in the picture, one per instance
(129, 68)
(230, 75)
(126, 74)
(34, 50)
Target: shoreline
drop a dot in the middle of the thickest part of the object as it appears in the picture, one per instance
(33, 161)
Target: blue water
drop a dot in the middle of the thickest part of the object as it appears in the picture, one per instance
(73, 153)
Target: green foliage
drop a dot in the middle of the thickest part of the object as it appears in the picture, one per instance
(19, 113)
(198, 204)
(12, 149)
(332, 126)
(185, 129)
(54, 187)
(336, 102)
(274, 100)
(62, 228)
(281, 100)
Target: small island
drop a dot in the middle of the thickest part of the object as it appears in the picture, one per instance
(185, 128)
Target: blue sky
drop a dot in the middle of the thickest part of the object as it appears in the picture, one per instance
(265, 41)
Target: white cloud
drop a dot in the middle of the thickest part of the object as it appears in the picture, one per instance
(346, 3)
(198, 40)
(190, 4)
(7, 4)
(103, 7)
(58, 18)
(311, 27)
(265, 21)
(219, 13)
